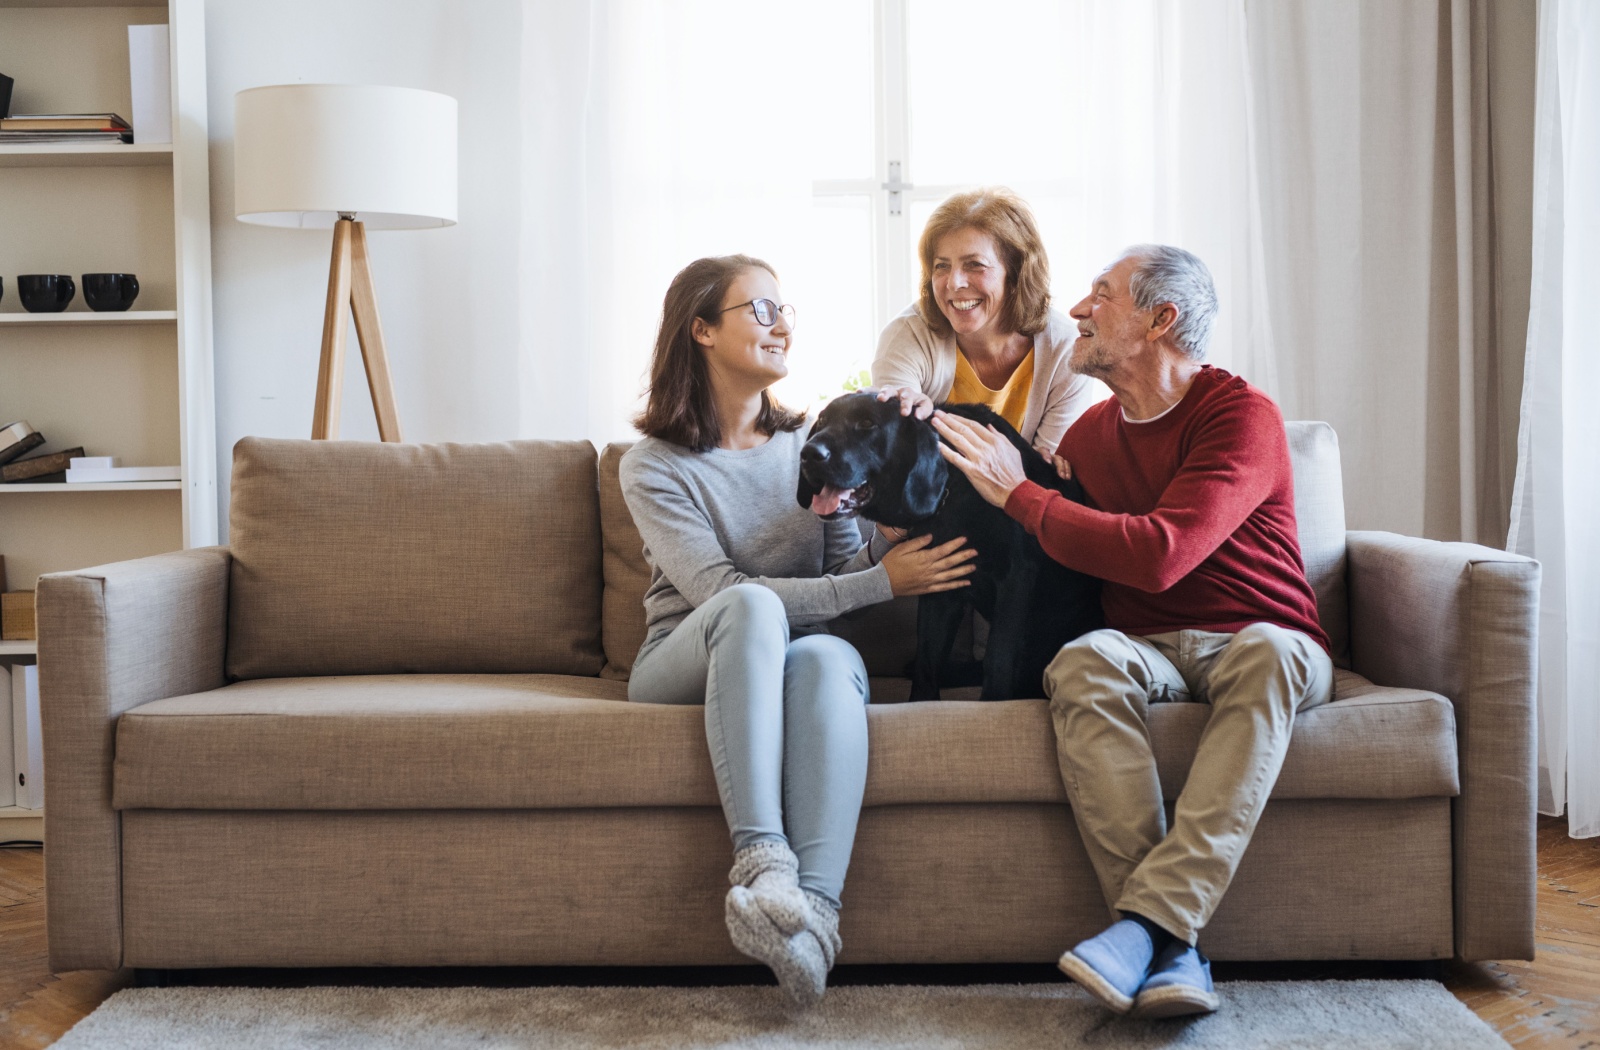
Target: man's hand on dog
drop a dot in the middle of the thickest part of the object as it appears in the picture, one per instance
(983, 454)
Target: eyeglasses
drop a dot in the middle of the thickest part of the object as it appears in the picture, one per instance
(767, 312)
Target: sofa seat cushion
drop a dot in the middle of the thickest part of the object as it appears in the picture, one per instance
(558, 742)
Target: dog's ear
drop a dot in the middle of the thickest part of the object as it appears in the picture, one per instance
(925, 482)
(915, 457)
(806, 491)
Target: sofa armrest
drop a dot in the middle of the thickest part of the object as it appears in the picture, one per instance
(111, 638)
(1462, 620)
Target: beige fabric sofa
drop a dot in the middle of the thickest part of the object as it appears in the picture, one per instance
(388, 726)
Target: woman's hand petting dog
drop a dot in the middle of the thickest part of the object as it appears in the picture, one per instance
(912, 400)
(986, 456)
(916, 568)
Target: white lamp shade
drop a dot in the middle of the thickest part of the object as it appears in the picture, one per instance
(303, 153)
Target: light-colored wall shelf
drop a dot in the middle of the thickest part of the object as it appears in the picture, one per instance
(72, 155)
(81, 3)
(102, 486)
(76, 317)
(9, 648)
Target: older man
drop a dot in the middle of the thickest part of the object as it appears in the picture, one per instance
(1192, 527)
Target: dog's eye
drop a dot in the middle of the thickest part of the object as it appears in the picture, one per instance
(865, 424)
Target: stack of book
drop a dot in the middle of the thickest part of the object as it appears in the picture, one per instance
(18, 439)
(65, 127)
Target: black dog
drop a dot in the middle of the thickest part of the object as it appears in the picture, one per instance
(863, 457)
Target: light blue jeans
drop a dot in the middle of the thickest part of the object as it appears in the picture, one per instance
(786, 721)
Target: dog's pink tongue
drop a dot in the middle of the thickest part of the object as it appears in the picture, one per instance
(827, 501)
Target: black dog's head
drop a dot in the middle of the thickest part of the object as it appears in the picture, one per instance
(863, 457)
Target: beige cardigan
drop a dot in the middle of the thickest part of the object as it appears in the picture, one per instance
(909, 354)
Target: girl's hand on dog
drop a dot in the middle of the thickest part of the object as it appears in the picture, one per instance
(916, 568)
(1063, 468)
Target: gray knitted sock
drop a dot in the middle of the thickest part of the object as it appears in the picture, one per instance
(770, 871)
(822, 921)
(796, 960)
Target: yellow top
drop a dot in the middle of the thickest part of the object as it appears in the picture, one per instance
(1010, 401)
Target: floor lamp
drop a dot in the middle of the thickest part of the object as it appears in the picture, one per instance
(346, 157)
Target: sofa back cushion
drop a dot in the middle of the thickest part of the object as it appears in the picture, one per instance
(886, 634)
(354, 557)
(1319, 516)
(627, 573)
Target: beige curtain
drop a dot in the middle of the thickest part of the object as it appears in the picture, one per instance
(1392, 145)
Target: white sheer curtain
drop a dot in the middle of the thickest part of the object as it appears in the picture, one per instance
(1345, 168)
(1556, 503)
(658, 132)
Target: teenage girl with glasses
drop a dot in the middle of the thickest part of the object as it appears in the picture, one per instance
(743, 581)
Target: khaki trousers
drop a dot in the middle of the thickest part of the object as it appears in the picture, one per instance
(1101, 687)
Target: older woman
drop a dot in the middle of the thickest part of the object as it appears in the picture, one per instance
(742, 582)
(982, 329)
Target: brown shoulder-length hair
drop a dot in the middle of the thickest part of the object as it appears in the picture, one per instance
(678, 405)
(1007, 218)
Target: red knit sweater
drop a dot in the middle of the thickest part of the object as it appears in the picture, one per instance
(1191, 522)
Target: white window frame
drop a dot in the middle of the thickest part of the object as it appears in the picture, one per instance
(894, 188)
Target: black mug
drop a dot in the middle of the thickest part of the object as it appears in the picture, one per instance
(45, 293)
(110, 291)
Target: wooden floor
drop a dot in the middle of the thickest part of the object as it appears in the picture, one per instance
(1552, 1002)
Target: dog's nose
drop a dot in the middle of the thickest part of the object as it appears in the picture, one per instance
(812, 452)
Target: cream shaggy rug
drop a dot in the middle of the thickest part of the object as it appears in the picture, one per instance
(1276, 1015)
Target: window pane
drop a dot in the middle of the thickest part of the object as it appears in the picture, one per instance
(830, 285)
(989, 90)
(827, 48)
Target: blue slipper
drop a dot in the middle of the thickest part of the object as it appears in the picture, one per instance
(1179, 985)
(1113, 964)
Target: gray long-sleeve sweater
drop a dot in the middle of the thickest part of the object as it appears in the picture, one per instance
(718, 518)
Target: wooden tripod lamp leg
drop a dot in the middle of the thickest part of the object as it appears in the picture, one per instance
(335, 320)
(364, 304)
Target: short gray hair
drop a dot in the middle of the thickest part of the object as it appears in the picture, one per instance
(1164, 274)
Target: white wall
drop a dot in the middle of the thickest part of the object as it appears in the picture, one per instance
(447, 297)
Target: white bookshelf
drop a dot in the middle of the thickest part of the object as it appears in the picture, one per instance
(136, 384)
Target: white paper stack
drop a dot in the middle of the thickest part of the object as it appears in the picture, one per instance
(27, 743)
(82, 475)
(149, 69)
(8, 758)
